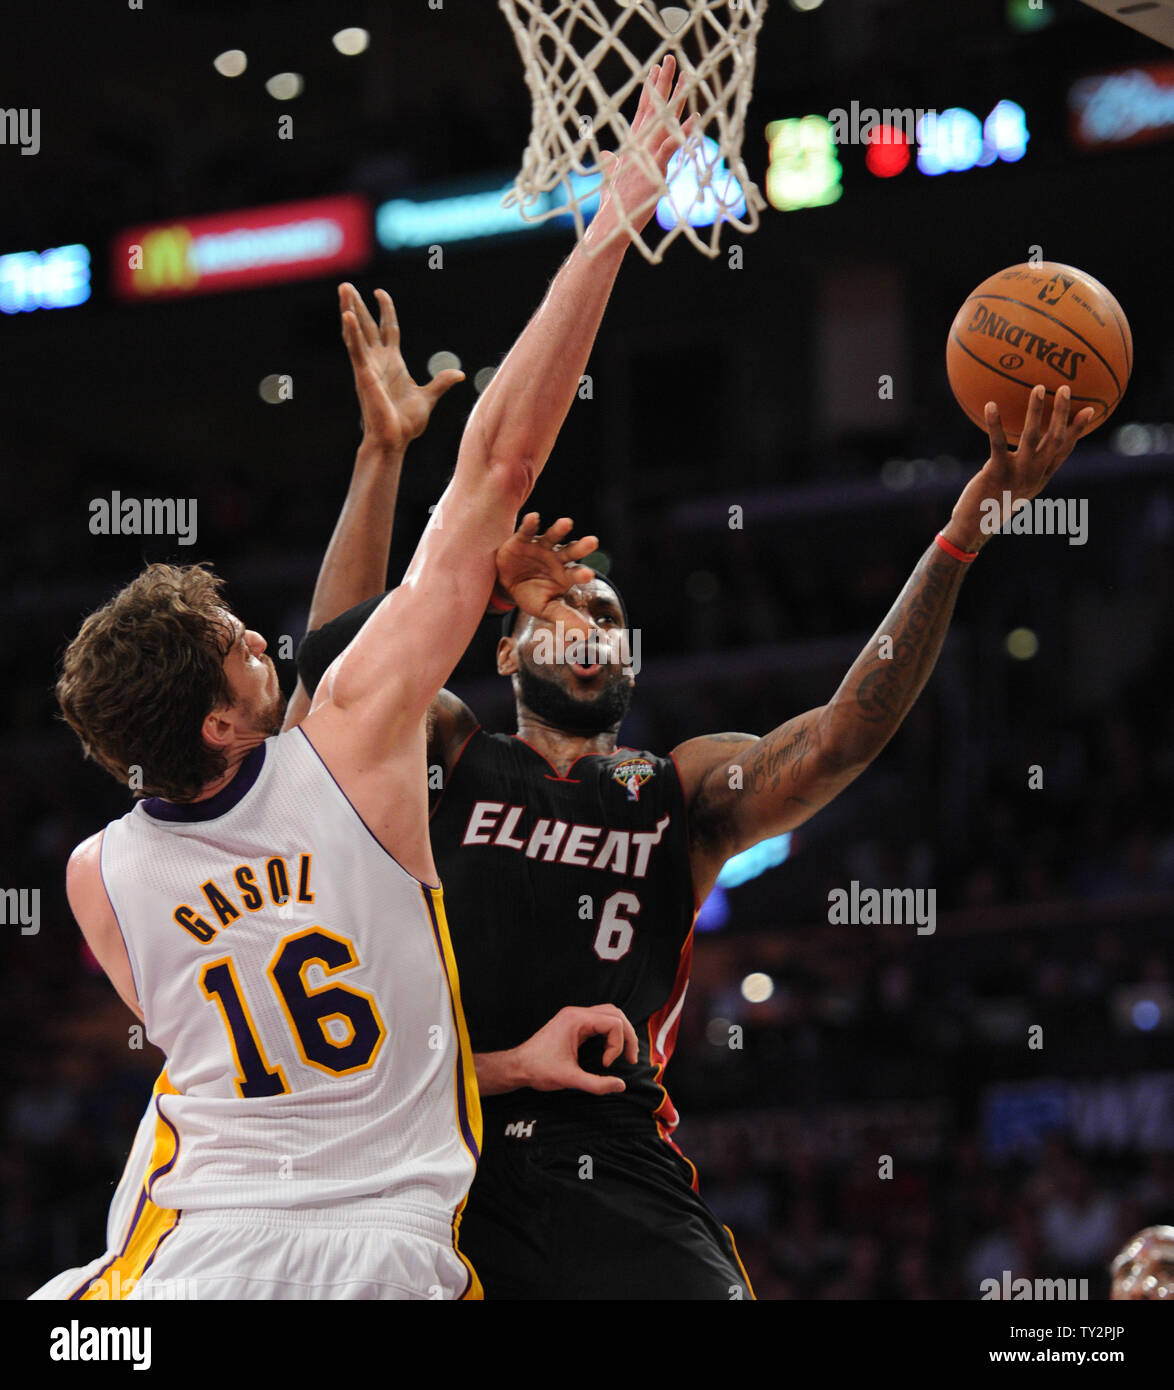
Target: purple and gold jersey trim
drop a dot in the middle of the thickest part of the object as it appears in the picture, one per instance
(468, 1098)
(149, 1225)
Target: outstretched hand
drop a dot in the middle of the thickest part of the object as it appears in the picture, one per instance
(537, 570)
(1021, 472)
(395, 410)
(656, 137)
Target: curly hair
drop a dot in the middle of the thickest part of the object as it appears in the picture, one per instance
(141, 675)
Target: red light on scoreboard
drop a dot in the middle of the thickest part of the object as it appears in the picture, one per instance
(887, 153)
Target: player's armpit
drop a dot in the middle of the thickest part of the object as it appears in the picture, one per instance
(450, 722)
(297, 709)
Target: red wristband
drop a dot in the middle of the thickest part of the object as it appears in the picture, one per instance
(950, 548)
(501, 604)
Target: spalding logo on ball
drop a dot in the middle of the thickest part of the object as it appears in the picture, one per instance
(1032, 325)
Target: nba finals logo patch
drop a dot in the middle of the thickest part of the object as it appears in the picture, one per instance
(632, 774)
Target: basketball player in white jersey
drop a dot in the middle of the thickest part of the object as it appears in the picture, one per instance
(268, 908)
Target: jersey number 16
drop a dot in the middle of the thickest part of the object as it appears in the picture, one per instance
(337, 1029)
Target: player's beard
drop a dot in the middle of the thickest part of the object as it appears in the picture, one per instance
(576, 714)
(270, 719)
(267, 717)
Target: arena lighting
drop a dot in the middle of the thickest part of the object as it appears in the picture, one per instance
(804, 170)
(284, 86)
(270, 390)
(955, 139)
(1146, 1015)
(757, 988)
(691, 181)
(465, 215)
(483, 378)
(55, 279)
(754, 861)
(1130, 107)
(231, 63)
(351, 42)
(443, 362)
(1022, 644)
(714, 912)
(888, 152)
(1143, 1008)
(717, 1032)
(1029, 15)
(1134, 439)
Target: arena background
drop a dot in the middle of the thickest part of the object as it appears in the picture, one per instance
(712, 387)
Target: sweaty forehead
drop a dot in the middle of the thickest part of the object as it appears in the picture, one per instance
(595, 591)
(597, 594)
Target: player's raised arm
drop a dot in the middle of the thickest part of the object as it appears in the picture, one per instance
(408, 648)
(740, 790)
(395, 411)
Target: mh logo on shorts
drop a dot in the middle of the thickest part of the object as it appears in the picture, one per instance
(520, 1129)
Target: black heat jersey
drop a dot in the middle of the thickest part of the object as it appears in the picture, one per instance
(567, 890)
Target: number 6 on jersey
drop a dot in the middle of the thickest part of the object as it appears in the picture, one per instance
(613, 940)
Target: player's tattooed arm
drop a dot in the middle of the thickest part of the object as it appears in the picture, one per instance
(395, 411)
(549, 1061)
(740, 790)
(737, 797)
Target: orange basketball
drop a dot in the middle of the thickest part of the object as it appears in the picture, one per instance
(1029, 325)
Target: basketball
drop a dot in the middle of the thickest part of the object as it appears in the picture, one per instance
(1032, 325)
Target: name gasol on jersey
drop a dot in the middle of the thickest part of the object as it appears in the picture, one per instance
(564, 842)
(253, 889)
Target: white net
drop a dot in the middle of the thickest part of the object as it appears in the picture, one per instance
(585, 60)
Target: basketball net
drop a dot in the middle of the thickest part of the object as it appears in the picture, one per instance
(570, 48)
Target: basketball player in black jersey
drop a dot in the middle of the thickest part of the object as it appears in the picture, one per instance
(573, 869)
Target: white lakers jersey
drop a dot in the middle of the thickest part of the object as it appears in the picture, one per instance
(302, 986)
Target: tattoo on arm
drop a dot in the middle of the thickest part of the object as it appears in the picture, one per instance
(858, 721)
(778, 755)
(879, 690)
